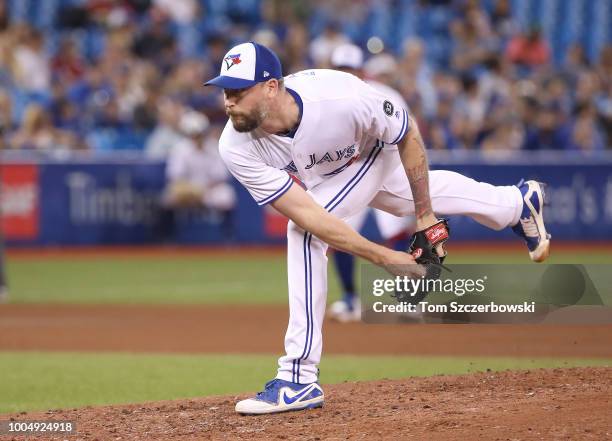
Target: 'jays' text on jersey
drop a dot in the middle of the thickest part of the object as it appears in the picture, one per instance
(342, 118)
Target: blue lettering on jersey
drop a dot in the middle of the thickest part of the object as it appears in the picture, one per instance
(290, 168)
(346, 152)
(326, 158)
(338, 155)
(313, 161)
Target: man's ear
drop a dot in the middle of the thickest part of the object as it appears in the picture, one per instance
(272, 87)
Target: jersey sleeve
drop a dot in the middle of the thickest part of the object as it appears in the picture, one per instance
(263, 182)
(381, 115)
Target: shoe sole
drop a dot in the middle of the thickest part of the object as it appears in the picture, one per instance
(315, 405)
(541, 253)
(343, 318)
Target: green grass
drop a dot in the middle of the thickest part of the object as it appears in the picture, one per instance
(40, 381)
(187, 280)
(174, 279)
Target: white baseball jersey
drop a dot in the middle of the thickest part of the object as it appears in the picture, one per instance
(388, 224)
(343, 150)
(362, 118)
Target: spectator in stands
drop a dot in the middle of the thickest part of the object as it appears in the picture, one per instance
(297, 57)
(469, 112)
(586, 89)
(216, 47)
(110, 13)
(575, 62)
(585, 132)
(474, 40)
(179, 84)
(67, 64)
(64, 113)
(157, 43)
(7, 59)
(32, 72)
(166, 134)
(603, 97)
(506, 134)
(384, 69)
(604, 67)
(322, 46)
(4, 16)
(136, 89)
(550, 131)
(144, 115)
(502, 20)
(529, 50)
(415, 69)
(437, 137)
(268, 38)
(555, 90)
(91, 90)
(6, 118)
(37, 133)
(444, 117)
(180, 11)
(493, 82)
(196, 176)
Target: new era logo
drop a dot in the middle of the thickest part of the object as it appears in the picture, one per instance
(266, 74)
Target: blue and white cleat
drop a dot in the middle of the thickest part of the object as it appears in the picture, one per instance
(282, 396)
(346, 310)
(531, 224)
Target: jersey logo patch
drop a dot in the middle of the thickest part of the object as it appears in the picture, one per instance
(231, 60)
(388, 108)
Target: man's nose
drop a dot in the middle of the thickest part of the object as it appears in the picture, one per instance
(228, 102)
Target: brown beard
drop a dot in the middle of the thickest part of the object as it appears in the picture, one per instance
(246, 122)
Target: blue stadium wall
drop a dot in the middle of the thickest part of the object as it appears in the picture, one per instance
(114, 202)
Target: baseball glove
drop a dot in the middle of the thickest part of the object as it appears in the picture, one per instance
(424, 243)
(423, 249)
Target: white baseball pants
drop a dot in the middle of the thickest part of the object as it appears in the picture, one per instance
(378, 180)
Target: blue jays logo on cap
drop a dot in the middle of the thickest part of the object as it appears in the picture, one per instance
(232, 60)
(250, 63)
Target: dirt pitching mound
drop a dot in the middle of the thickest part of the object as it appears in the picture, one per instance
(538, 404)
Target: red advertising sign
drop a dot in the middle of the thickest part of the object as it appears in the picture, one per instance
(275, 224)
(19, 204)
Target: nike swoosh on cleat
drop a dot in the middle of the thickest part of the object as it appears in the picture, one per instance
(291, 400)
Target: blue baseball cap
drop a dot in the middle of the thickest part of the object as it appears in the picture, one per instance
(246, 65)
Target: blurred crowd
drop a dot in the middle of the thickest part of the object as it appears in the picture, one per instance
(118, 74)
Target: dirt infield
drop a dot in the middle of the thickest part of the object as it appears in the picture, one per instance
(261, 329)
(557, 404)
(541, 404)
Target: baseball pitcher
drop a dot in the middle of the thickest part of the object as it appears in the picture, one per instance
(352, 147)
